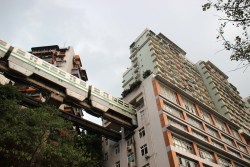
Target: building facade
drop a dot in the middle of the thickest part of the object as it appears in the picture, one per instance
(188, 114)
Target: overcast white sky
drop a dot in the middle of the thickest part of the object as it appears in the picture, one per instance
(101, 32)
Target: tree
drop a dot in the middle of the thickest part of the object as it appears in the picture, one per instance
(147, 73)
(39, 137)
(236, 13)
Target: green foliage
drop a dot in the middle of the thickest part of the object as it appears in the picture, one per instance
(236, 13)
(146, 74)
(132, 87)
(39, 137)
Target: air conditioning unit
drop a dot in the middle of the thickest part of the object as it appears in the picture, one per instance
(129, 148)
(147, 156)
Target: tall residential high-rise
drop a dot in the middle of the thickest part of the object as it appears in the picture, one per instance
(188, 114)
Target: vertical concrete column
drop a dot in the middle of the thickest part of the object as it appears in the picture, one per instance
(156, 86)
(164, 120)
(168, 138)
(229, 129)
(213, 120)
(235, 143)
(225, 147)
(220, 135)
(189, 129)
(198, 110)
(243, 139)
(216, 158)
(196, 151)
(232, 163)
(180, 100)
(209, 139)
(160, 104)
(173, 161)
(184, 116)
(204, 126)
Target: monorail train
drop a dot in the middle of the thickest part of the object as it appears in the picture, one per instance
(29, 64)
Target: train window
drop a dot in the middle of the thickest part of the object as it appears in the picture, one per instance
(120, 102)
(20, 52)
(126, 105)
(53, 68)
(3, 43)
(33, 58)
(96, 90)
(114, 99)
(105, 94)
(45, 64)
(83, 83)
(62, 73)
(72, 78)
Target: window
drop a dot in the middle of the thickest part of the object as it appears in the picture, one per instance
(189, 106)
(235, 133)
(206, 155)
(195, 123)
(117, 164)
(224, 162)
(106, 141)
(221, 125)
(131, 157)
(242, 148)
(218, 145)
(129, 141)
(227, 140)
(168, 94)
(235, 153)
(177, 124)
(105, 157)
(183, 145)
(147, 165)
(206, 116)
(144, 149)
(199, 135)
(141, 132)
(117, 149)
(212, 132)
(172, 111)
(185, 162)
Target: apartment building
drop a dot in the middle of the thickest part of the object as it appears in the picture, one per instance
(184, 116)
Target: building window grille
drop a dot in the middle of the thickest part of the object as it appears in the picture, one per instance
(233, 152)
(206, 116)
(199, 135)
(117, 164)
(131, 157)
(189, 106)
(185, 162)
(218, 145)
(212, 132)
(195, 123)
(177, 124)
(183, 145)
(242, 148)
(172, 111)
(224, 162)
(168, 94)
(227, 140)
(206, 155)
(117, 149)
(221, 125)
(144, 149)
(141, 132)
(235, 133)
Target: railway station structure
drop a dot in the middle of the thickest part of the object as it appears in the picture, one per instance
(188, 114)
